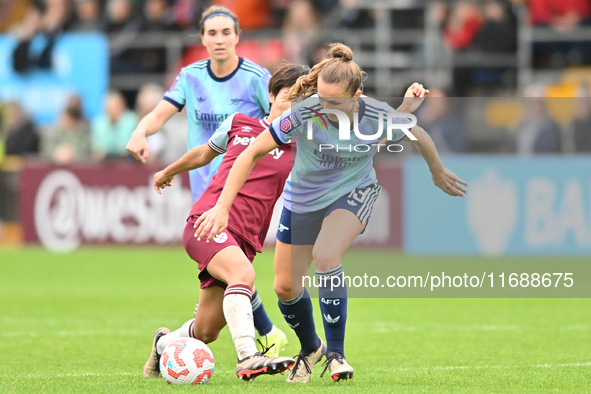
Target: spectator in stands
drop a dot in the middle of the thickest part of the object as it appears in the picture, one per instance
(70, 139)
(13, 12)
(301, 23)
(443, 123)
(147, 99)
(562, 15)
(581, 125)
(252, 14)
(48, 18)
(75, 101)
(171, 143)
(538, 132)
(21, 134)
(88, 16)
(499, 31)
(463, 24)
(326, 6)
(123, 26)
(186, 12)
(157, 17)
(354, 18)
(112, 130)
(120, 17)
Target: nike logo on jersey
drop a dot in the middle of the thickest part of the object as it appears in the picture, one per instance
(330, 319)
(282, 227)
(276, 153)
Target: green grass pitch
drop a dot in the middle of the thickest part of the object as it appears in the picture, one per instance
(83, 322)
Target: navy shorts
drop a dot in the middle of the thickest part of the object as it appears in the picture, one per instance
(303, 228)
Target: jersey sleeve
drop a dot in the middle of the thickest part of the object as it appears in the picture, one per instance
(262, 92)
(176, 94)
(219, 140)
(397, 134)
(287, 126)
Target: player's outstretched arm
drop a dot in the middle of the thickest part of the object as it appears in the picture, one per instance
(413, 98)
(195, 158)
(150, 124)
(442, 177)
(214, 221)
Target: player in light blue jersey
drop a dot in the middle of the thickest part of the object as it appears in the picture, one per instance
(326, 166)
(211, 91)
(331, 197)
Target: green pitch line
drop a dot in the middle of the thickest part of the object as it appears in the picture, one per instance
(83, 322)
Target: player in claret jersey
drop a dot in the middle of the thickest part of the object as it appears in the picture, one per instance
(212, 90)
(227, 275)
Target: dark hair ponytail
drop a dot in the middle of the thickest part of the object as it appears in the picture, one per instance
(286, 77)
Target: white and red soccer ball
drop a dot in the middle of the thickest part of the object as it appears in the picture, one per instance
(187, 361)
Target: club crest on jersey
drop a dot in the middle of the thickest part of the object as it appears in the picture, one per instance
(221, 238)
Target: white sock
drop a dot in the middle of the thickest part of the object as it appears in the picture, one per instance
(238, 314)
(185, 331)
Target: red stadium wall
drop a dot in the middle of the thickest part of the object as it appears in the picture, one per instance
(63, 207)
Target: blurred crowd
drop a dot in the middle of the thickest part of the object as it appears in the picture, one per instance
(492, 26)
(487, 25)
(534, 127)
(466, 25)
(75, 139)
(531, 125)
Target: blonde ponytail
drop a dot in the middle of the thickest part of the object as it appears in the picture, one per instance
(339, 67)
(340, 51)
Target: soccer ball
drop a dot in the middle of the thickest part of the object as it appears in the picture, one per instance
(187, 361)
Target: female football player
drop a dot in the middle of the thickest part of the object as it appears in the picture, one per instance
(212, 90)
(327, 200)
(227, 275)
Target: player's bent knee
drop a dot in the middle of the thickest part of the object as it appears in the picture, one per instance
(244, 276)
(283, 290)
(207, 336)
(325, 259)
